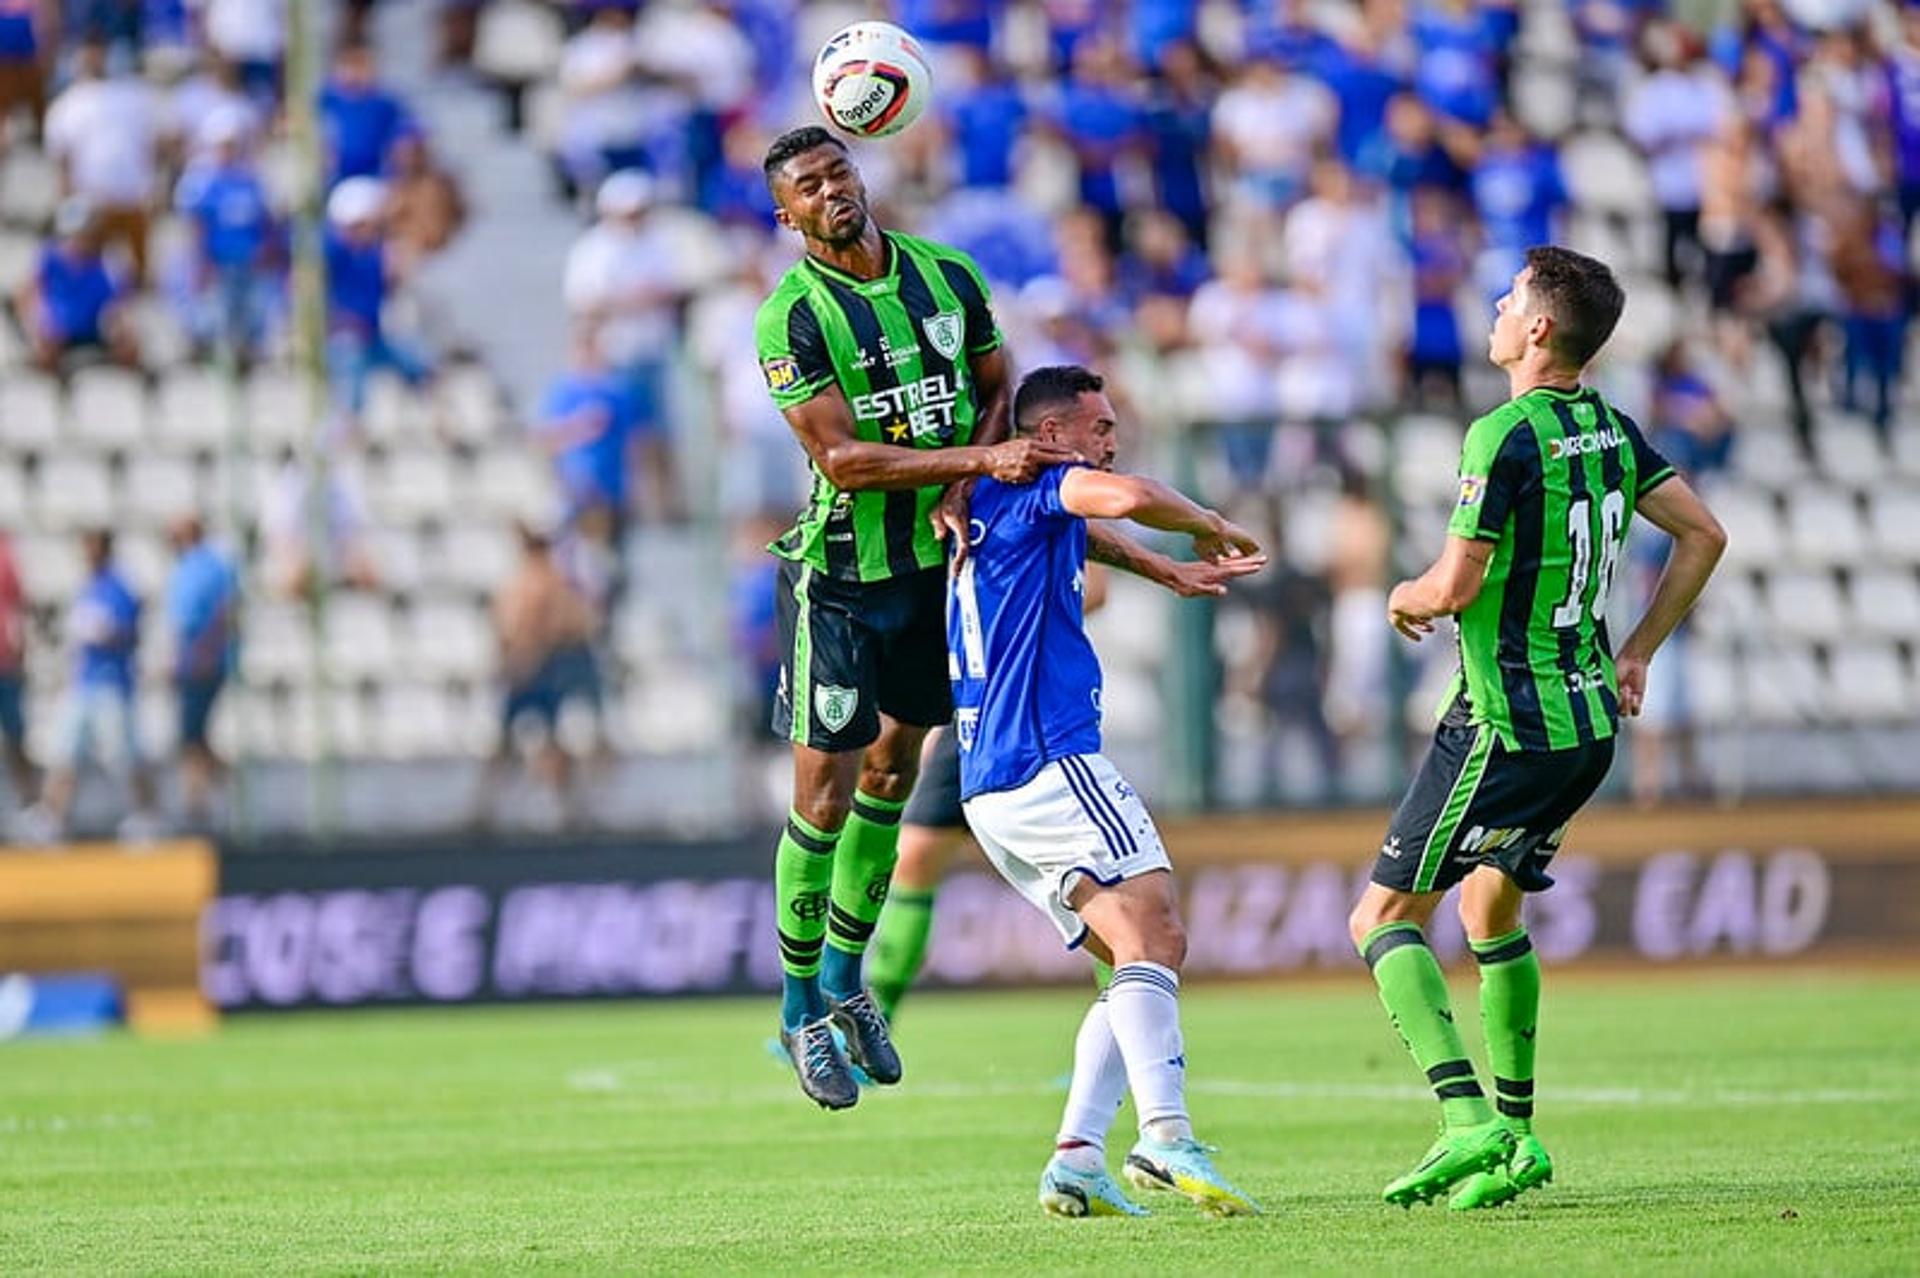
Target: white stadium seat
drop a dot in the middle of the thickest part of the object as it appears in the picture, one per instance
(51, 567)
(29, 411)
(1895, 520)
(157, 489)
(276, 642)
(1824, 527)
(277, 409)
(1784, 687)
(414, 486)
(359, 636)
(74, 492)
(1849, 452)
(448, 640)
(19, 258)
(1885, 603)
(1730, 605)
(475, 557)
(145, 561)
(515, 483)
(1752, 521)
(415, 720)
(191, 411)
(1867, 683)
(1605, 174)
(13, 493)
(107, 407)
(470, 402)
(1712, 684)
(1771, 458)
(1805, 604)
(29, 187)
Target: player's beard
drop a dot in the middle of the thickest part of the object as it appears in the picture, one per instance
(832, 237)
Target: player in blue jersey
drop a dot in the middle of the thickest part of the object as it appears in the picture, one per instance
(1053, 815)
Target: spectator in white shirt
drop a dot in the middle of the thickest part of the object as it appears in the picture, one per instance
(1673, 115)
(623, 282)
(252, 34)
(105, 132)
(1266, 127)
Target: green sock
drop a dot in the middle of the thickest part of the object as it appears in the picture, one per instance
(1510, 1014)
(1415, 995)
(862, 869)
(802, 869)
(900, 946)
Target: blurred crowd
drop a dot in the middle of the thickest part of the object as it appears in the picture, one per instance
(1276, 220)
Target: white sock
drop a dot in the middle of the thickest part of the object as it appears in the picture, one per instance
(1143, 1006)
(1099, 1085)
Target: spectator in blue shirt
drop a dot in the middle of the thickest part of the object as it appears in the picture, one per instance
(1363, 83)
(1438, 255)
(72, 300)
(25, 53)
(1157, 25)
(1519, 192)
(984, 116)
(1161, 260)
(103, 627)
(232, 283)
(1407, 156)
(1101, 119)
(1458, 68)
(1179, 127)
(201, 599)
(357, 275)
(592, 424)
(359, 118)
(1285, 33)
(964, 24)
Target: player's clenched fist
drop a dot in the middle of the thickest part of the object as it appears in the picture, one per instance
(1020, 461)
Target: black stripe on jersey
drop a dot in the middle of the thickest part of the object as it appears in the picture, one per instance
(1614, 476)
(961, 281)
(1568, 637)
(1523, 582)
(838, 537)
(901, 504)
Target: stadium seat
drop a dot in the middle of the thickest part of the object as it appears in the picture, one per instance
(394, 413)
(277, 409)
(1132, 628)
(1770, 458)
(448, 640)
(13, 493)
(107, 407)
(676, 711)
(191, 412)
(1784, 687)
(1752, 521)
(1905, 444)
(164, 343)
(414, 720)
(1849, 452)
(155, 489)
(1885, 603)
(51, 568)
(1650, 323)
(1545, 98)
(1895, 520)
(470, 403)
(19, 255)
(144, 558)
(29, 412)
(278, 643)
(1730, 605)
(1712, 687)
(518, 42)
(74, 492)
(476, 557)
(1868, 683)
(29, 187)
(413, 486)
(1130, 704)
(1605, 174)
(641, 637)
(515, 483)
(1426, 458)
(359, 636)
(1824, 527)
(1805, 604)
(400, 557)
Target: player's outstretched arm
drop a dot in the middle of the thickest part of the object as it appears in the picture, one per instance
(824, 426)
(1226, 550)
(1108, 545)
(1446, 588)
(1698, 541)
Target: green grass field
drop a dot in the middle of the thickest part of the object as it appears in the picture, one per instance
(1743, 1123)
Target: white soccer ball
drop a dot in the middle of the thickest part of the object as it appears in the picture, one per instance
(872, 80)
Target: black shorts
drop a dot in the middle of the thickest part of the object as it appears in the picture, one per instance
(1475, 802)
(935, 802)
(854, 651)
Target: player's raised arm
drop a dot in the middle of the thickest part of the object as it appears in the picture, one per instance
(1698, 541)
(1094, 494)
(1192, 579)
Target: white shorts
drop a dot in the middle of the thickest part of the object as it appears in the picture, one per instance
(1078, 816)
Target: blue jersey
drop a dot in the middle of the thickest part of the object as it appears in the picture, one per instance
(1026, 682)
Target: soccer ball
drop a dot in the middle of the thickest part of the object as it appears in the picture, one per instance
(872, 80)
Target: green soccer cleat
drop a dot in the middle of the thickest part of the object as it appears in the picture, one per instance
(1183, 1167)
(1067, 1192)
(1458, 1154)
(1527, 1168)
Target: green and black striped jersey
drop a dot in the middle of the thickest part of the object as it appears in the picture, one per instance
(897, 347)
(1552, 478)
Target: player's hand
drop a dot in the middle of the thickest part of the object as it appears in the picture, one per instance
(1020, 461)
(952, 523)
(1226, 541)
(1633, 684)
(1203, 577)
(1413, 625)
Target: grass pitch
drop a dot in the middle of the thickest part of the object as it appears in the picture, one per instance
(1752, 1123)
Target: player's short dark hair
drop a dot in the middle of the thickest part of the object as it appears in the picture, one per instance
(1580, 294)
(795, 142)
(1055, 386)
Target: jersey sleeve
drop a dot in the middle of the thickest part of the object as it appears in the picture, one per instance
(1492, 477)
(1040, 501)
(793, 351)
(1649, 467)
(983, 331)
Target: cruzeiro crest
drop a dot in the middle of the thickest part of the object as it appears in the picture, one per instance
(944, 332)
(835, 705)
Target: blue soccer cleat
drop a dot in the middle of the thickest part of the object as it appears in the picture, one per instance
(1182, 1167)
(1065, 1191)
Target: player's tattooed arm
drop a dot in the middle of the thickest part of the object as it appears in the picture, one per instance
(1446, 588)
(825, 427)
(1109, 546)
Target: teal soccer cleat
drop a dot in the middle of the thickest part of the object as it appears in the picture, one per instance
(1067, 1192)
(1183, 1167)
